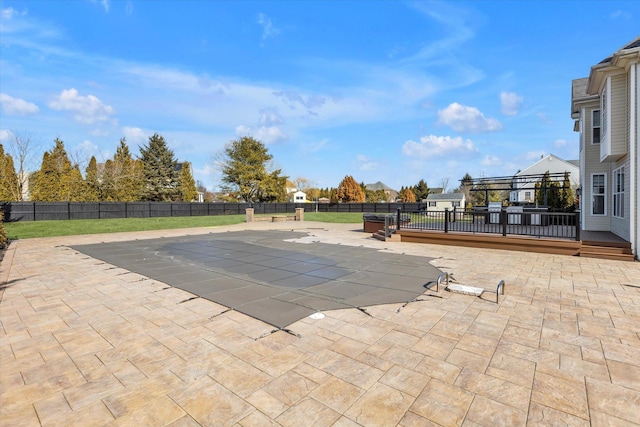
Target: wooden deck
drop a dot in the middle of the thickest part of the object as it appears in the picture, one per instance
(599, 244)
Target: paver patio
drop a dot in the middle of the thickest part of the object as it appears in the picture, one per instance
(84, 342)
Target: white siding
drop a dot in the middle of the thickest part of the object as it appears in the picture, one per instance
(620, 226)
(593, 165)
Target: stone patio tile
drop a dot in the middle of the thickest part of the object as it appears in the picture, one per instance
(401, 356)
(466, 359)
(578, 368)
(478, 344)
(599, 418)
(562, 394)
(53, 409)
(381, 405)
(405, 380)
(290, 388)
(23, 415)
(159, 411)
(487, 412)
(411, 419)
(543, 415)
(624, 374)
(314, 374)
(350, 370)
(349, 347)
(514, 369)
(345, 422)
(614, 400)
(337, 394)
(374, 361)
(621, 352)
(184, 421)
(267, 404)
(442, 403)
(308, 412)
(439, 369)
(257, 419)
(215, 405)
(495, 389)
(241, 378)
(524, 336)
(540, 357)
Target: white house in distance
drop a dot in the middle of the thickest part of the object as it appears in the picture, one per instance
(300, 197)
(440, 202)
(524, 188)
(606, 110)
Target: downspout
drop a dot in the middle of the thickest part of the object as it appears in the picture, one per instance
(634, 154)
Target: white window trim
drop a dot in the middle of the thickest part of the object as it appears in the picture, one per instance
(617, 194)
(603, 195)
(594, 127)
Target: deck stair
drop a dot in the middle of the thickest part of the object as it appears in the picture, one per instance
(620, 251)
(380, 235)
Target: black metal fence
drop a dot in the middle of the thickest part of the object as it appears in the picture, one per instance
(41, 211)
(536, 223)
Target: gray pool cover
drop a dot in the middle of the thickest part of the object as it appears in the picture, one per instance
(269, 276)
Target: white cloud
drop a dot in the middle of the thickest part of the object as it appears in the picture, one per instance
(462, 118)
(315, 146)
(510, 103)
(129, 8)
(11, 105)
(89, 109)
(620, 14)
(265, 134)
(5, 135)
(134, 135)
(490, 160)
(365, 163)
(268, 28)
(270, 116)
(434, 146)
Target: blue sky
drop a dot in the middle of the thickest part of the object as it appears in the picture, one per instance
(385, 91)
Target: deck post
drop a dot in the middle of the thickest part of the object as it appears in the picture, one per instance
(503, 221)
(446, 220)
(577, 225)
(398, 219)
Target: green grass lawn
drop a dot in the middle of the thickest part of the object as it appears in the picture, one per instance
(31, 229)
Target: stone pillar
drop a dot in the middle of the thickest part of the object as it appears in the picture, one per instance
(299, 214)
(249, 213)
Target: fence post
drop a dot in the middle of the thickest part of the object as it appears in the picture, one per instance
(454, 214)
(577, 225)
(398, 219)
(503, 221)
(446, 220)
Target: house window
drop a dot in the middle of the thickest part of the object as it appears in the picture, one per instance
(595, 127)
(455, 204)
(603, 113)
(432, 204)
(598, 200)
(618, 192)
(527, 196)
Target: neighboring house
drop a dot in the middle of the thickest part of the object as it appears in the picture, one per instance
(606, 110)
(440, 202)
(389, 192)
(300, 197)
(524, 186)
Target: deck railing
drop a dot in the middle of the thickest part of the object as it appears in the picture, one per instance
(537, 223)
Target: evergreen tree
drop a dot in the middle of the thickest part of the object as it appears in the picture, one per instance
(9, 184)
(421, 190)
(93, 190)
(245, 169)
(159, 171)
(125, 175)
(57, 180)
(566, 198)
(188, 191)
(349, 191)
(3, 231)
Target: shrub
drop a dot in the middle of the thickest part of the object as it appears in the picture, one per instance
(3, 231)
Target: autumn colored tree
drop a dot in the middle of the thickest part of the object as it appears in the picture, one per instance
(123, 176)
(161, 182)
(406, 195)
(188, 191)
(3, 231)
(349, 191)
